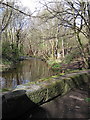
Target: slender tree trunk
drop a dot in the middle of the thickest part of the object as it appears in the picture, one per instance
(56, 47)
(63, 52)
(84, 56)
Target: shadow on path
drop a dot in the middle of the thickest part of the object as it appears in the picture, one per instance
(71, 105)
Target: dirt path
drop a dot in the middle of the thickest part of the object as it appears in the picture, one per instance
(71, 105)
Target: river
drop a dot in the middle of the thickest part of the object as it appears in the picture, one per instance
(24, 72)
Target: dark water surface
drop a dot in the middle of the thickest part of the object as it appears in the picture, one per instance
(25, 71)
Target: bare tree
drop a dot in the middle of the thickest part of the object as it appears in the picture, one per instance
(74, 15)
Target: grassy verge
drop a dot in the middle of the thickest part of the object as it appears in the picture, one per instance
(63, 67)
(5, 64)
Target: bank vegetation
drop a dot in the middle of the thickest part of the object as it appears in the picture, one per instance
(59, 33)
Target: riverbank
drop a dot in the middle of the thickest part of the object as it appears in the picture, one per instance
(31, 68)
(45, 89)
(72, 105)
(5, 65)
(59, 84)
(15, 72)
(55, 65)
(67, 95)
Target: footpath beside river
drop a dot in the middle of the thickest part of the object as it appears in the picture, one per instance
(65, 96)
(72, 105)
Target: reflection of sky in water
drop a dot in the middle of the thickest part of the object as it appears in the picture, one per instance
(14, 82)
(25, 71)
(2, 82)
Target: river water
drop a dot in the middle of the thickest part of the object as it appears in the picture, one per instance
(24, 72)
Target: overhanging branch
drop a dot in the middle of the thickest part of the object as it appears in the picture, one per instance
(29, 15)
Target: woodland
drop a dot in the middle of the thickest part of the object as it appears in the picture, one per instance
(58, 33)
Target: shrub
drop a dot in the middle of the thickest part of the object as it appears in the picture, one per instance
(10, 52)
(72, 56)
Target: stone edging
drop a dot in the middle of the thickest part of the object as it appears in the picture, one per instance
(42, 91)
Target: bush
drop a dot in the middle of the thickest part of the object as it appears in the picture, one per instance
(72, 56)
(56, 65)
(10, 52)
(6, 50)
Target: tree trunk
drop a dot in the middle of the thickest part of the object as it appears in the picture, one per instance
(63, 52)
(84, 56)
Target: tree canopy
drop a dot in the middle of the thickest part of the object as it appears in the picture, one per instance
(54, 32)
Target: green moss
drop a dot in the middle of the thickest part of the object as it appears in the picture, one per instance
(38, 95)
(66, 89)
(48, 79)
(49, 91)
(80, 79)
(5, 90)
(51, 86)
(0, 90)
(62, 74)
(85, 78)
(56, 65)
(52, 61)
(87, 99)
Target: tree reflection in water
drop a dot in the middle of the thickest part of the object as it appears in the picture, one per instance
(25, 71)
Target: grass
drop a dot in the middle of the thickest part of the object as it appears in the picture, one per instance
(4, 90)
(87, 99)
(56, 65)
